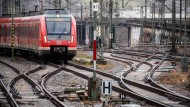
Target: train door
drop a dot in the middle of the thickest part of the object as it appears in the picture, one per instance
(20, 36)
(30, 36)
(7, 35)
(35, 37)
(1, 35)
(27, 36)
(16, 36)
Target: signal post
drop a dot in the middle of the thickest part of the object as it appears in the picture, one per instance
(93, 82)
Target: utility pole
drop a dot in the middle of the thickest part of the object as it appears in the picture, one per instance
(145, 10)
(101, 30)
(70, 6)
(81, 24)
(6, 7)
(111, 30)
(17, 7)
(91, 28)
(1, 11)
(162, 22)
(57, 4)
(12, 31)
(153, 22)
(42, 5)
(180, 35)
(185, 59)
(173, 27)
(142, 24)
(185, 46)
(116, 24)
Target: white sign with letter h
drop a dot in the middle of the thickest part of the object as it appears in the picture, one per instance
(106, 87)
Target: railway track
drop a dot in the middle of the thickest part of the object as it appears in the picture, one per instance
(8, 95)
(116, 87)
(167, 94)
(6, 92)
(54, 99)
(31, 84)
(23, 76)
(143, 92)
(132, 65)
(163, 91)
(149, 77)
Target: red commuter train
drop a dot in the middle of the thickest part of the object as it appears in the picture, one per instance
(52, 33)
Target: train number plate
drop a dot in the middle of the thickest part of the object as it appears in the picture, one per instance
(59, 49)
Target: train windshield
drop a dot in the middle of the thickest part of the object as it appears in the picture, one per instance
(58, 26)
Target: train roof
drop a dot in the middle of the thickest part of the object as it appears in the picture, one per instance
(32, 18)
(21, 19)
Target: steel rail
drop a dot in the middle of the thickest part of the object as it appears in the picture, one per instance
(44, 80)
(124, 85)
(160, 90)
(10, 86)
(10, 98)
(152, 89)
(153, 83)
(117, 89)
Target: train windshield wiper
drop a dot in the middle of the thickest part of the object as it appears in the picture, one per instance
(59, 36)
(62, 32)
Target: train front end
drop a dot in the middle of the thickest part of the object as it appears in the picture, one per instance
(59, 34)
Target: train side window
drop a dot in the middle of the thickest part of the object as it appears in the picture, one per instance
(32, 30)
(5, 31)
(16, 29)
(20, 33)
(36, 30)
(37, 33)
(29, 30)
(21, 30)
(24, 30)
(8, 30)
(0, 30)
(27, 33)
(25, 26)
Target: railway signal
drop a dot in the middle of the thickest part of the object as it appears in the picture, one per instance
(94, 85)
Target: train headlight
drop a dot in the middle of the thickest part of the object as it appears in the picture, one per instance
(45, 39)
(57, 13)
(72, 39)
